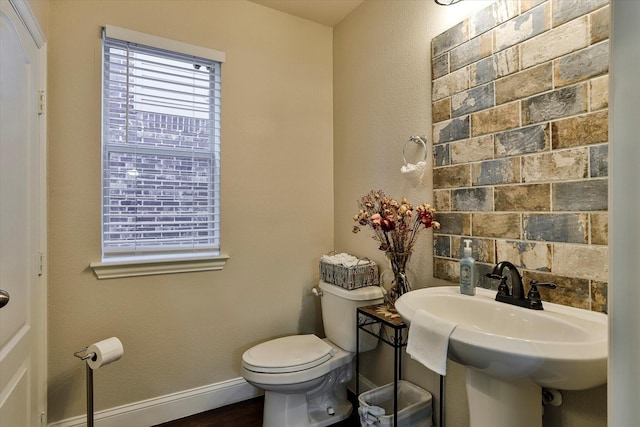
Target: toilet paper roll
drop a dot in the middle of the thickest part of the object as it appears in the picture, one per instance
(106, 351)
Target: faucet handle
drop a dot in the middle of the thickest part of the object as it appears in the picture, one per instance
(548, 285)
(503, 289)
(533, 296)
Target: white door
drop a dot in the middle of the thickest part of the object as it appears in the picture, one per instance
(22, 339)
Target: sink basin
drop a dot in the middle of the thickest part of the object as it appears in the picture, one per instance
(559, 347)
(515, 348)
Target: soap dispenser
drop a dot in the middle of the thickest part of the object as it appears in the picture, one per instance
(467, 271)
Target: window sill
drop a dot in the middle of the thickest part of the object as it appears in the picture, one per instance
(116, 269)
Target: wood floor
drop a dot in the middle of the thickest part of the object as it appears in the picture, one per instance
(242, 414)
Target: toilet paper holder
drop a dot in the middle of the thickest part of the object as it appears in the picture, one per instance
(83, 355)
(79, 354)
(96, 355)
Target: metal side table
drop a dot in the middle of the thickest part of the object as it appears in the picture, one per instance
(380, 326)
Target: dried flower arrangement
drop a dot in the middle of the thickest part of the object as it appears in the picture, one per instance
(395, 226)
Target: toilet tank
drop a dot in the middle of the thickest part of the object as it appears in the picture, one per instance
(339, 314)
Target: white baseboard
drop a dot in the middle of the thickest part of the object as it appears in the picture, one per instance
(169, 407)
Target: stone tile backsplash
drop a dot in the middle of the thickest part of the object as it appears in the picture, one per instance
(520, 133)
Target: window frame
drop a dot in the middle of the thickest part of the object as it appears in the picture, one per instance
(157, 262)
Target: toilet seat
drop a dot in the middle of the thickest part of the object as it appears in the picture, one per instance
(287, 354)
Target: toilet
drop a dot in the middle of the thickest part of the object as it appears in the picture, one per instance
(305, 377)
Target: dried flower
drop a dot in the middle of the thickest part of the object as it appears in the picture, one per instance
(395, 225)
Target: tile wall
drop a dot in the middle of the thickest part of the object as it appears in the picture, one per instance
(520, 133)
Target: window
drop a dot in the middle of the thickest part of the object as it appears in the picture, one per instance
(160, 149)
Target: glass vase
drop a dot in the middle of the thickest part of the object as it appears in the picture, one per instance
(400, 284)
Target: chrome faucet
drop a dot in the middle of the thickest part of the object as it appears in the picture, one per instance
(516, 295)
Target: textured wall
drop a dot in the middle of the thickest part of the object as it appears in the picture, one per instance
(520, 127)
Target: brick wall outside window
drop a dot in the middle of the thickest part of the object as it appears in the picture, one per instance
(161, 162)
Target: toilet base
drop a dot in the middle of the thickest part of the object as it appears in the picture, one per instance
(297, 413)
(322, 406)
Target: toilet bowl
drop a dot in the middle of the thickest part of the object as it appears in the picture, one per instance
(305, 377)
(309, 393)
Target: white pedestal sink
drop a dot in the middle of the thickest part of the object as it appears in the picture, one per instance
(511, 352)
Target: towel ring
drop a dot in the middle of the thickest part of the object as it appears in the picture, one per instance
(417, 140)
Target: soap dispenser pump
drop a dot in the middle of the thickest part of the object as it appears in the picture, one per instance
(467, 271)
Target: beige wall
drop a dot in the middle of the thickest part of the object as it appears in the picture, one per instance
(382, 95)
(187, 330)
(40, 9)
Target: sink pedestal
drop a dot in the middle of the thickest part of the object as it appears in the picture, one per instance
(497, 402)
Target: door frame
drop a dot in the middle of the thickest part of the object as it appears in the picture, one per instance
(30, 22)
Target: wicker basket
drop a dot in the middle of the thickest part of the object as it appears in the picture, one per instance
(364, 273)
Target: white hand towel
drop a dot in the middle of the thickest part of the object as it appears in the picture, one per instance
(347, 260)
(428, 340)
(414, 173)
(341, 259)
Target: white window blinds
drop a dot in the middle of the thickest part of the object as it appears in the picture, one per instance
(161, 152)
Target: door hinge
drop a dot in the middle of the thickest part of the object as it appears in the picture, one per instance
(40, 263)
(41, 102)
(43, 419)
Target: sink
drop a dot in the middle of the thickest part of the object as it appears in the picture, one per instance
(514, 351)
(559, 347)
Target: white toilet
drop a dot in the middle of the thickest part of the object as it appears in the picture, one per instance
(305, 377)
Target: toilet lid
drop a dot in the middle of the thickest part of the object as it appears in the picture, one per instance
(287, 354)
